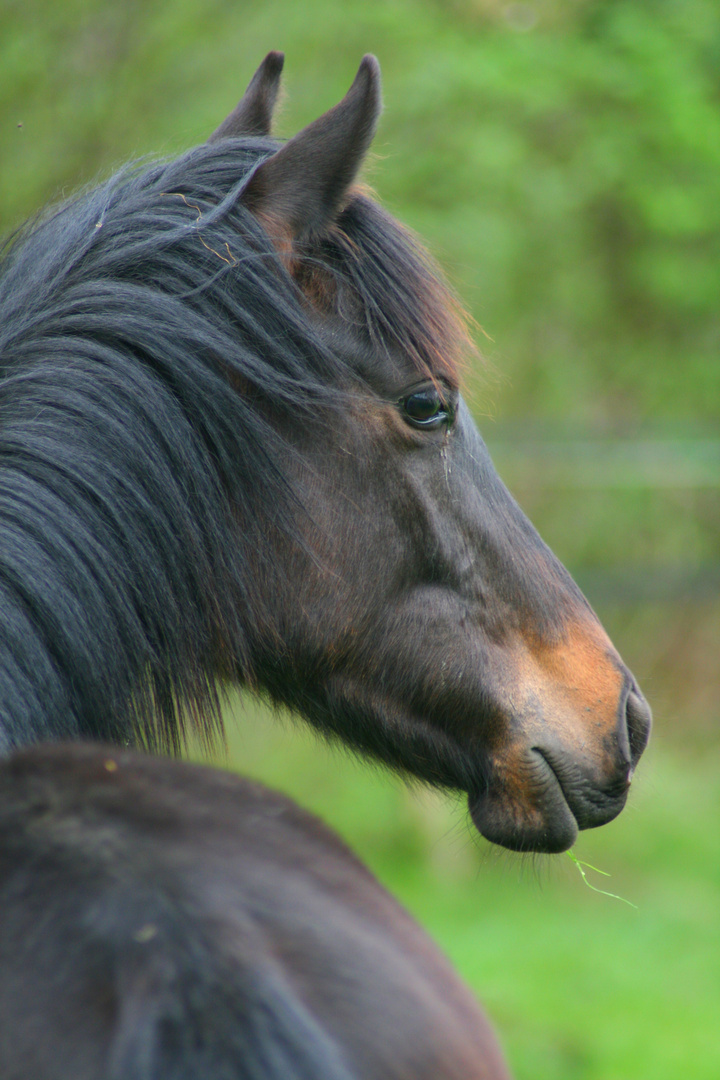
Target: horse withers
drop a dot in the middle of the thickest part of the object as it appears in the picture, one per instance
(233, 449)
(163, 921)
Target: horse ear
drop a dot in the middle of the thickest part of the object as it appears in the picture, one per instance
(301, 188)
(253, 113)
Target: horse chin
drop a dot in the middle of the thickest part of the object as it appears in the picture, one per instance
(547, 827)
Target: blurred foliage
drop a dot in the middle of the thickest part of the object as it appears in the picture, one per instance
(576, 168)
(562, 158)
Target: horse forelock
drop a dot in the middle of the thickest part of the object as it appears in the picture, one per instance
(407, 306)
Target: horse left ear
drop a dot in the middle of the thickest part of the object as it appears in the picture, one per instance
(300, 189)
(253, 113)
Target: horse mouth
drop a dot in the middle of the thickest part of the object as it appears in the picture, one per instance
(546, 814)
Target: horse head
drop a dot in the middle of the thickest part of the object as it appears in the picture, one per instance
(422, 618)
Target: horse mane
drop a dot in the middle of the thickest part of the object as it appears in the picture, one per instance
(152, 342)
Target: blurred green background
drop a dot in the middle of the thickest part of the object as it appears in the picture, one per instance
(562, 160)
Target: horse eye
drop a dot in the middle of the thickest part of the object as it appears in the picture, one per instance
(425, 408)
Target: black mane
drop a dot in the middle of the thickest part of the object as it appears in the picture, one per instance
(151, 337)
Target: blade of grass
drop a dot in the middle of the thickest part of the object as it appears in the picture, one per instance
(581, 867)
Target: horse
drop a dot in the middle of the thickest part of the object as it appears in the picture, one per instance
(167, 920)
(233, 451)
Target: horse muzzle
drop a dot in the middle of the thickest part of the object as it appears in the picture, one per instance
(540, 793)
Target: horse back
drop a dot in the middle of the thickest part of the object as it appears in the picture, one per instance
(165, 920)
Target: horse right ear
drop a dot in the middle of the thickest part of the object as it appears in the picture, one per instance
(253, 113)
(299, 190)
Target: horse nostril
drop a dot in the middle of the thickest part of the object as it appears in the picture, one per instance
(639, 722)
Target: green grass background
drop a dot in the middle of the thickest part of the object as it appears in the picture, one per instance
(562, 159)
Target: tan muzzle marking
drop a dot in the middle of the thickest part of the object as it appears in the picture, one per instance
(568, 693)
